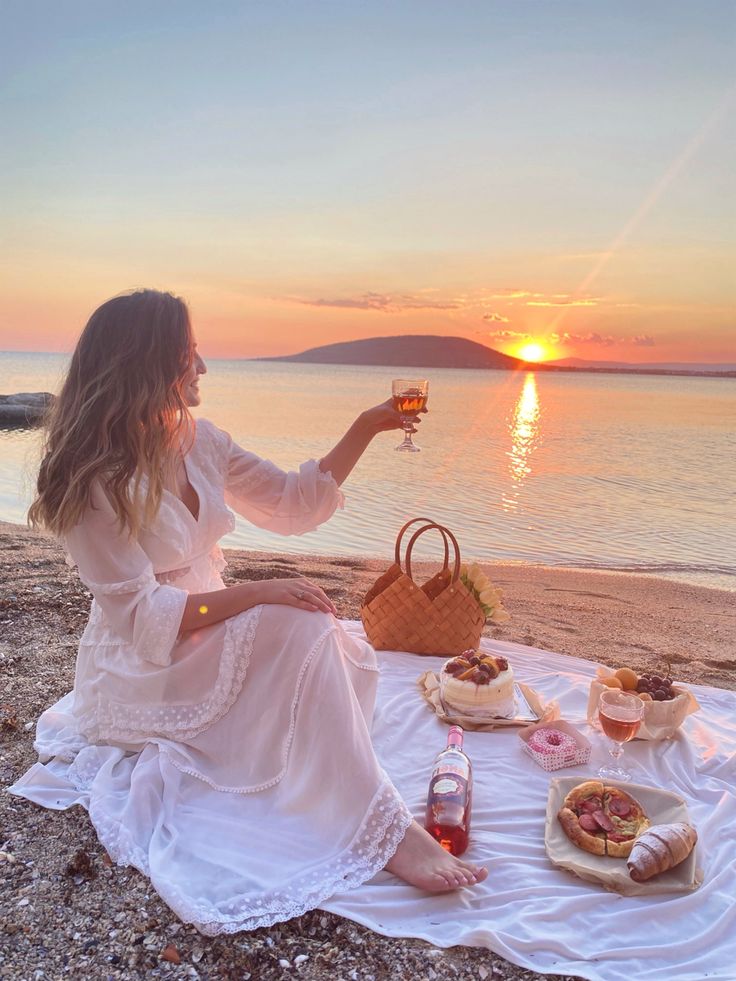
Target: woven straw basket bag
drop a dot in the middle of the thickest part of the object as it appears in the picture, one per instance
(441, 617)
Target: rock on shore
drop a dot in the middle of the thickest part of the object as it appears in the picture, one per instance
(24, 408)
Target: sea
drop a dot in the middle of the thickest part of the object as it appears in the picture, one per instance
(584, 470)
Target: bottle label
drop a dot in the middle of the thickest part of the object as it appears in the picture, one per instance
(446, 785)
(459, 768)
(449, 787)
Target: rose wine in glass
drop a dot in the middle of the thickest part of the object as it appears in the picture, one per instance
(620, 714)
(450, 796)
(409, 397)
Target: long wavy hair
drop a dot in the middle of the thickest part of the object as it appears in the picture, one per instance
(121, 413)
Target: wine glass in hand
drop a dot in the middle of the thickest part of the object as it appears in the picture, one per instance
(409, 397)
(620, 714)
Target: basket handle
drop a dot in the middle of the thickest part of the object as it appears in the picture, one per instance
(446, 533)
(430, 523)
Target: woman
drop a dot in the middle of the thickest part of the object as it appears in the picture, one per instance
(219, 736)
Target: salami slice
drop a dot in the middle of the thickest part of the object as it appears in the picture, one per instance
(590, 805)
(588, 823)
(619, 807)
(603, 821)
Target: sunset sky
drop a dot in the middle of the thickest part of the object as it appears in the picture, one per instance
(308, 172)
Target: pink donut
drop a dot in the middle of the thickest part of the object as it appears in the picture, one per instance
(548, 741)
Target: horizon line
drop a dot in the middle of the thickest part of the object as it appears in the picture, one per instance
(550, 361)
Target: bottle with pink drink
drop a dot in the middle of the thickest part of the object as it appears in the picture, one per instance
(450, 795)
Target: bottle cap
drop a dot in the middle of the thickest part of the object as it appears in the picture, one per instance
(455, 736)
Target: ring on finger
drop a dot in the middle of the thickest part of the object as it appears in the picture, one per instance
(300, 595)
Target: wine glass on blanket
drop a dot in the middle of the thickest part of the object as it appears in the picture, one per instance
(409, 397)
(620, 715)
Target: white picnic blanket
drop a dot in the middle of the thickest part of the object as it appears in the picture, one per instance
(534, 914)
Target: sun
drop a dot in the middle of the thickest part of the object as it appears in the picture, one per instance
(531, 352)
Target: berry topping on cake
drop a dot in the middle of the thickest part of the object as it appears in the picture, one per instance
(478, 684)
(476, 666)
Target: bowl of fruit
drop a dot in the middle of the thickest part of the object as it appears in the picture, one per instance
(666, 703)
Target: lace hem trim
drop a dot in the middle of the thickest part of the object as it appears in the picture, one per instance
(122, 723)
(379, 835)
(85, 766)
(286, 747)
(159, 637)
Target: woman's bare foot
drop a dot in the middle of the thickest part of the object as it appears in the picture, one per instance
(423, 862)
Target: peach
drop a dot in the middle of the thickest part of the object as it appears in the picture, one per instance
(611, 682)
(628, 678)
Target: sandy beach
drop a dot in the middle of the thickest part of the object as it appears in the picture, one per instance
(65, 910)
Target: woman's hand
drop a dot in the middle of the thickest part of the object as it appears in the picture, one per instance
(205, 609)
(301, 593)
(382, 418)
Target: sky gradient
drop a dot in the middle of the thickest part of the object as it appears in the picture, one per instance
(311, 172)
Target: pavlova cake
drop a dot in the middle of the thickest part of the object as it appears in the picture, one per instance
(478, 684)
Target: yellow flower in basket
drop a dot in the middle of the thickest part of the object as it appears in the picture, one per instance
(489, 598)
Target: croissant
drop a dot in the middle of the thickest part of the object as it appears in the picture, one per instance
(661, 847)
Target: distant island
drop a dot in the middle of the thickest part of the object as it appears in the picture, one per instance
(407, 350)
(434, 351)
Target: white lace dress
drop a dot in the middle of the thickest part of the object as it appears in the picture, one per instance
(233, 765)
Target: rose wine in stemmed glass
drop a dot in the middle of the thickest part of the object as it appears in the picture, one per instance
(409, 397)
(620, 714)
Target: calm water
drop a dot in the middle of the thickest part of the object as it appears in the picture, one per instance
(604, 471)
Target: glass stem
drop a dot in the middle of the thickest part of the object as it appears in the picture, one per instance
(616, 750)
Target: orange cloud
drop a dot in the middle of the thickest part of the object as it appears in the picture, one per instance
(605, 340)
(563, 303)
(506, 335)
(383, 302)
(535, 299)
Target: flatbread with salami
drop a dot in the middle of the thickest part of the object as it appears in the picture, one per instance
(602, 820)
(628, 819)
(576, 817)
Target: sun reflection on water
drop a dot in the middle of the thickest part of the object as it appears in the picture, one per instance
(524, 429)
